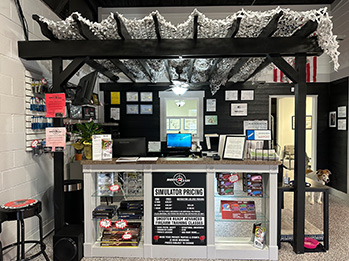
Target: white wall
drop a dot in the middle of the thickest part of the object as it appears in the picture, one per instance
(21, 175)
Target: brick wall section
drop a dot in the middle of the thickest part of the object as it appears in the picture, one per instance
(21, 174)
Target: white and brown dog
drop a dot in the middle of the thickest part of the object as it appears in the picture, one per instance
(320, 176)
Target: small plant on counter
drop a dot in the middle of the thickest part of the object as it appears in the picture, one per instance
(85, 131)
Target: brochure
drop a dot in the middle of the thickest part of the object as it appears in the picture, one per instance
(243, 210)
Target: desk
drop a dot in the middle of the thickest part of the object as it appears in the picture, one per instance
(315, 187)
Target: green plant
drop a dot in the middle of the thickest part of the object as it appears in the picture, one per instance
(86, 130)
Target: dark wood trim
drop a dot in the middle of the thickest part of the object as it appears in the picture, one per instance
(267, 31)
(168, 49)
(44, 28)
(299, 170)
(101, 69)
(284, 66)
(157, 27)
(232, 31)
(264, 64)
(70, 70)
(306, 29)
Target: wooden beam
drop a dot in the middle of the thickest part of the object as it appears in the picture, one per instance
(101, 69)
(195, 27)
(299, 177)
(123, 68)
(71, 69)
(44, 28)
(157, 27)
(125, 35)
(168, 48)
(195, 36)
(264, 64)
(85, 31)
(267, 31)
(284, 66)
(232, 31)
(306, 30)
(168, 70)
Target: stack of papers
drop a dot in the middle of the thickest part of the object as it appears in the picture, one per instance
(136, 159)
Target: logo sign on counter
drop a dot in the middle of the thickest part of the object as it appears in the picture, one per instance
(105, 223)
(121, 224)
(114, 187)
(258, 134)
(179, 209)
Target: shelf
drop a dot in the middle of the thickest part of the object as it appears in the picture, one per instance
(241, 247)
(239, 194)
(260, 218)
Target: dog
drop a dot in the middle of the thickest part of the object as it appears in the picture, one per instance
(320, 176)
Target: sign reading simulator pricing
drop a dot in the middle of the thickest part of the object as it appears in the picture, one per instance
(179, 208)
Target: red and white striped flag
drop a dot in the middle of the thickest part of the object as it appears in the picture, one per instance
(311, 70)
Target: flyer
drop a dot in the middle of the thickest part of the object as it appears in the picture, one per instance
(243, 210)
(56, 137)
(102, 147)
(55, 105)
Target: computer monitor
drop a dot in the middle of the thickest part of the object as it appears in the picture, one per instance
(178, 141)
(129, 147)
(85, 88)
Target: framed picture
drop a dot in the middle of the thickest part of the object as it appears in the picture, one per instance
(132, 109)
(247, 95)
(234, 147)
(174, 124)
(146, 109)
(146, 96)
(211, 105)
(308, 122)
(238, 109)
(211, 120)
(231, 95)
(190, 124)
(332, 119)
(131, 96)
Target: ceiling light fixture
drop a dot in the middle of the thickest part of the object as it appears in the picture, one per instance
(179, 90)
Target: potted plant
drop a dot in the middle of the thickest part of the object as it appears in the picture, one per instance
(78, 150)
(85, 131)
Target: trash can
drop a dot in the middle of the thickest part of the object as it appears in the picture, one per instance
(73, 201)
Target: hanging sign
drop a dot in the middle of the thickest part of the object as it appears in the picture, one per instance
(179, 209)
(56, 138)
(55, 105)
(105, 223)
(121, 224)
(34, 143)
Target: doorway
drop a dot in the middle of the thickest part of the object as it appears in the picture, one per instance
(282, 111)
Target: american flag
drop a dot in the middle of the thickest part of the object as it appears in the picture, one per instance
(311, 69)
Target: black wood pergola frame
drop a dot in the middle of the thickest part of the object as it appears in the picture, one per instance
(272, 48)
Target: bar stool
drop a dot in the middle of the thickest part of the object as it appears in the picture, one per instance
(20, 210)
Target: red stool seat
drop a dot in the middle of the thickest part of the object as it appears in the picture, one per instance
(20, 210)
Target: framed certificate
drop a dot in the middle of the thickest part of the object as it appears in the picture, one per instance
(146, 109)
(131, 96)
(132, 109)
(234, 147)
(146, 96)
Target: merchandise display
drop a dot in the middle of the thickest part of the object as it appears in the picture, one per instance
(129, 236)
(232, 209)
(104, 211)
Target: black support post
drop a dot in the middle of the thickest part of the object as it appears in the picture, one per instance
(299, 172)
(58, 162)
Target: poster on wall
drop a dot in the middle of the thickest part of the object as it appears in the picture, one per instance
(231, 95)
(56, 138)
(179, 209)
(211, 105)
(247, 95)
(332, 119)
(342, 124)
(342, 111)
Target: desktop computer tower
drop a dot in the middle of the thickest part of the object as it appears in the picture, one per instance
(68, 243)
